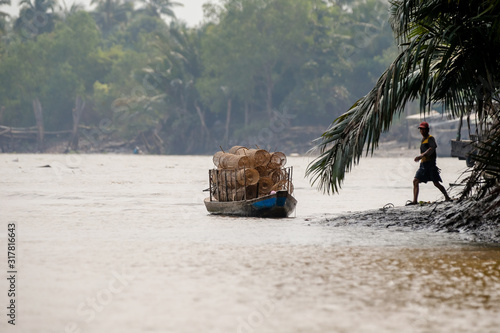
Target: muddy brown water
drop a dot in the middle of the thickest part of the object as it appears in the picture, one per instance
(116, 243)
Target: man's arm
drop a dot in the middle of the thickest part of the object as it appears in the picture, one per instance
(425, 153)
(432, 147)
(428, 152)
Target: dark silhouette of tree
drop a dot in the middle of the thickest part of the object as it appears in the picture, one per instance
(35, 17)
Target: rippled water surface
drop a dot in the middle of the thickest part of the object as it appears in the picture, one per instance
(114, 243)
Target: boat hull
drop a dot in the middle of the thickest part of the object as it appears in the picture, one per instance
(280, 204)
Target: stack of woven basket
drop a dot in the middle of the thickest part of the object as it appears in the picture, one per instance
(249, 173)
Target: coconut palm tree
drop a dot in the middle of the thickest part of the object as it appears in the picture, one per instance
(110, 14)
(35, 17)
(448, 54)
(176, 75)
(157, 8)
(3, 15)
(66, 11)
(170, 82)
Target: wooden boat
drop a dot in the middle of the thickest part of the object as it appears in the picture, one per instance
(242, 192)
(279, 204)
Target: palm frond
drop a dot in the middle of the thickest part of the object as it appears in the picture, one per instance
(486, 172)
(448, 55)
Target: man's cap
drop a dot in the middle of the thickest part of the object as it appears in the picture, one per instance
(424, 125)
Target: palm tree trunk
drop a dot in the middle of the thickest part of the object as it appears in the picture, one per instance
(228, 120)
(246, 114)
(202, 121)
(77, 113)
(269, 97)
(37, 109)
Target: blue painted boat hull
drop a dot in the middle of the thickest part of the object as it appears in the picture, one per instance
(280, 204)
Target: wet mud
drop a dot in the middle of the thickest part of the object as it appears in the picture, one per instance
(466, 218)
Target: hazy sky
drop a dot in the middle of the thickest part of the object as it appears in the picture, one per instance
(192, 12)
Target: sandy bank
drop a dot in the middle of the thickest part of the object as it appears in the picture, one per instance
(456, 217)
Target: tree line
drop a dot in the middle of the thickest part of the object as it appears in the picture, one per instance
(252, 70)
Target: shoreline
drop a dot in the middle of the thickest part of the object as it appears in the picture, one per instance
(452, 217)
(60, 145)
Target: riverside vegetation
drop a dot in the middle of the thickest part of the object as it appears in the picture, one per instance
(250, 70)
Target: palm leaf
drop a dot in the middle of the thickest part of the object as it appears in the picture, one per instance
(442, 59)
(486, 172)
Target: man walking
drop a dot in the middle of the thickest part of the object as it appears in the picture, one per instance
(428, 170)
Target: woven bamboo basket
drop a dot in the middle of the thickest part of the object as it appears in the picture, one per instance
(265, 185)
(277, 175)
(216, 158)
(263, 171)
(226, 178)
(258, 157)
(247, 177)
(251, 192)
(232, 162)
(238, 150)
(283, 185)
(277, 160)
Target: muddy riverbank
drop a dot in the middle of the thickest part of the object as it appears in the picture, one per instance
(464, 217)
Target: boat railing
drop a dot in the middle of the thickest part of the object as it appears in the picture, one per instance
(237, 185)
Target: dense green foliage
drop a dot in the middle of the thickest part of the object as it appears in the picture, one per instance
(253, 68)
(449, 54)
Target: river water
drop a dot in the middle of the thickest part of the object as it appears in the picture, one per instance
(117, 243)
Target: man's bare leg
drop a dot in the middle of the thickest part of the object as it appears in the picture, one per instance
(415, 190)
(443, 190)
